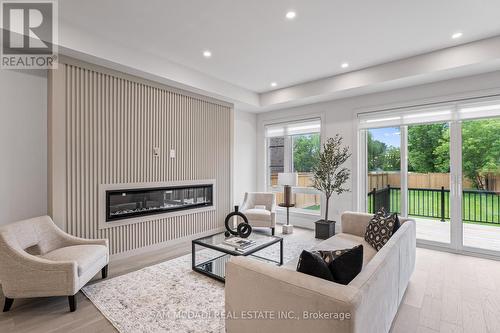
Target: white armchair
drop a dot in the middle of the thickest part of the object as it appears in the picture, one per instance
(260, 209)
(37, 259)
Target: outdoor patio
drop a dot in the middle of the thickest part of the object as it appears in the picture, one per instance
(475, 235)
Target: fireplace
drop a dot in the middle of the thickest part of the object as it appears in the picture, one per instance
(137, 202)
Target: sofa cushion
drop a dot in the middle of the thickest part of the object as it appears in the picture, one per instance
(343, 264)
(257, 214)
(312, 264)
(380, 229)
(84, 255)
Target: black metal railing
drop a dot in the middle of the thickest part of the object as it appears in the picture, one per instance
(477, 206)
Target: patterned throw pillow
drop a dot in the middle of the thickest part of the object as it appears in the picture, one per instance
(330, 256)
(380, 229)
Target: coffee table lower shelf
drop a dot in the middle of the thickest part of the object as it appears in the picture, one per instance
(215, 267)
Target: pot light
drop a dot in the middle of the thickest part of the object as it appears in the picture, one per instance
(456, 35)
(344, 65)
(291, 15)
(207, 53)
(273, 84)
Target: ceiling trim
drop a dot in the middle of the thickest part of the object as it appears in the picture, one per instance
(462, 60)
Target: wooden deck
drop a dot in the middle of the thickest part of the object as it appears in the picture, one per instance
(475, 235)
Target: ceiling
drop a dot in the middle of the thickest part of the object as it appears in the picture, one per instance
(253, 44)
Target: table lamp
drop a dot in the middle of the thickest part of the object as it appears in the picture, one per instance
(287, 180)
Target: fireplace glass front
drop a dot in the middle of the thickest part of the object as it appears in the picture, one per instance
(123, 204)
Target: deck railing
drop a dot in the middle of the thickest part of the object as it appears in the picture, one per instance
(477, 206)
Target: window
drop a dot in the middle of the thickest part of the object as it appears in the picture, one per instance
(292, 147)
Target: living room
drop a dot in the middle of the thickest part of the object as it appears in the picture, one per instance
(225, 166)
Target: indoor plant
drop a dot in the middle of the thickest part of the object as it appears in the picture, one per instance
(329, 175)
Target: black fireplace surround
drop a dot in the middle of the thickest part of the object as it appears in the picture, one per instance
(124, 204)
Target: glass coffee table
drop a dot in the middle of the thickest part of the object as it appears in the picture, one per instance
(210, 254)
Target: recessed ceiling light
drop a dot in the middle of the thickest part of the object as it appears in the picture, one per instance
(207, 54)
(456, 35)
(344, 65)
(273, 84)
(291, 15)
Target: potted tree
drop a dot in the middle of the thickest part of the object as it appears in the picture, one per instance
(330, 177)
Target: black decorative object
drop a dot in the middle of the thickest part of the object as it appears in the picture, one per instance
(243, 229)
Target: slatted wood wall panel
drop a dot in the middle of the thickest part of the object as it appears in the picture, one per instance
(112, 124)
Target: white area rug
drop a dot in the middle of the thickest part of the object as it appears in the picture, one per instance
(170, 297)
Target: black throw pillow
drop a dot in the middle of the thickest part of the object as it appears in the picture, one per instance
(344, 265)
(397, 224)
(312, 264)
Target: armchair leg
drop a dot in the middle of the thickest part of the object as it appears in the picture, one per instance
(8, 304)
(72, 303)
(104, 272)
(272, 231)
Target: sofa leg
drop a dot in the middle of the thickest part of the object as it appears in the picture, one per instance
(72, 303)
(272, 231)
(104, 272)
(8, 304)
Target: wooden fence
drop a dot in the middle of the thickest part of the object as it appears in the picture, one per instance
(380, 180)
(301, 200)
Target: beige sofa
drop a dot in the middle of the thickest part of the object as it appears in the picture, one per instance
(259, 296)
(38, 259)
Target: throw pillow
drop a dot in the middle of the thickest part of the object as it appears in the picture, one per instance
(312, 264)
(397, 224)
(380, 229)
(344, 265)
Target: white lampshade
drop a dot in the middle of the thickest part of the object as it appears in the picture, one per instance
(288, 178)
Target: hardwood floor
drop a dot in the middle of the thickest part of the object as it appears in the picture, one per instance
(451, 293)
(447, 293)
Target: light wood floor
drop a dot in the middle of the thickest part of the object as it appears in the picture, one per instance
(447, 293)
(451, 293)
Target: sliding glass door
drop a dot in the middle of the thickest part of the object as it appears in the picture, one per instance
(384, 169)
(439, 165)
(481, 183)
(428, 180)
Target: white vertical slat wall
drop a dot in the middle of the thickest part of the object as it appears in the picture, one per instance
(112, 122)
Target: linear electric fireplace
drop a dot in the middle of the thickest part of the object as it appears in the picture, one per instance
(128, 203)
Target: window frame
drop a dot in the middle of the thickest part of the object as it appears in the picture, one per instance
(288, 162)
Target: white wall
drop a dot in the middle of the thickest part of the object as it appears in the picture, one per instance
(23, 144)
(245, 150)
(339, 116)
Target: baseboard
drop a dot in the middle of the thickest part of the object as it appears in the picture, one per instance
(460, 252)
(168, 245)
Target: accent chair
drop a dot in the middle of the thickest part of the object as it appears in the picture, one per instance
(37, 259)
(260, 209)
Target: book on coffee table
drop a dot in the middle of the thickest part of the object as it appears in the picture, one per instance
(239, 243)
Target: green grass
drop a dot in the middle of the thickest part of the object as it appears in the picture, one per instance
(314, 207)
(476, 207)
